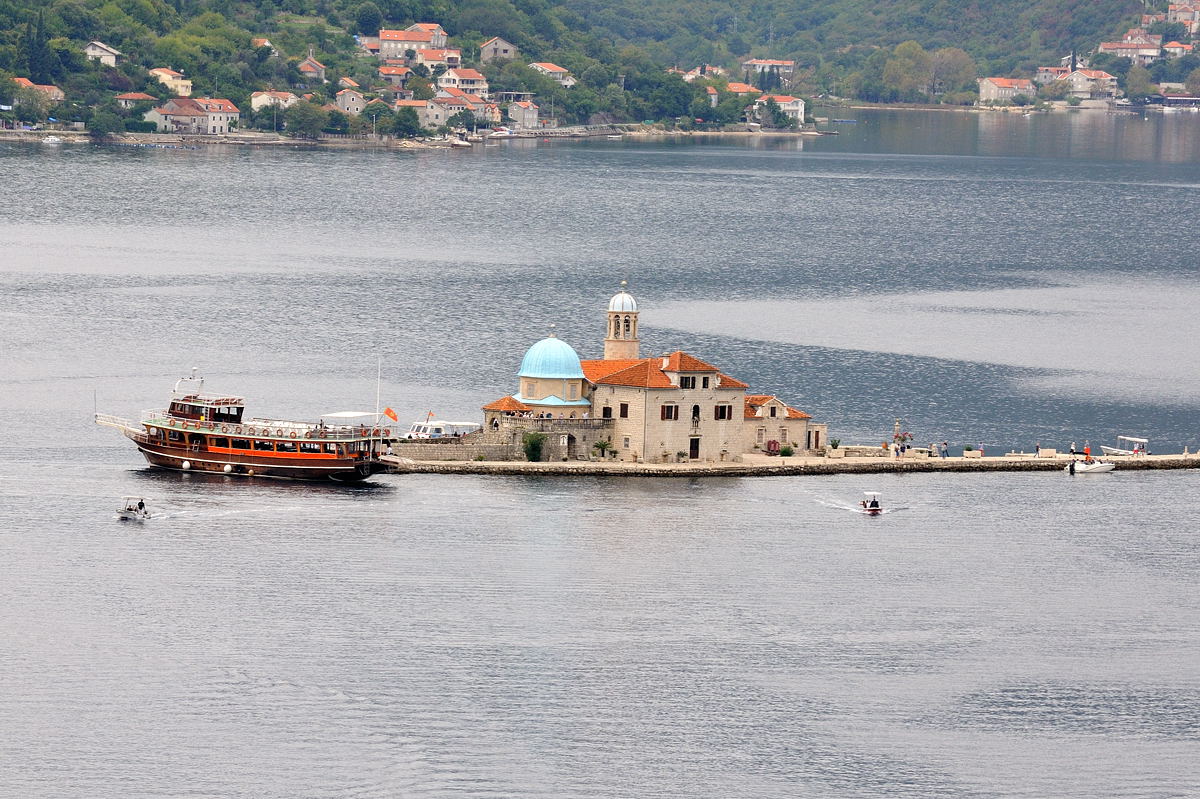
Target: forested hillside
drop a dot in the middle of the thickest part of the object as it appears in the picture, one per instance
(617, 48)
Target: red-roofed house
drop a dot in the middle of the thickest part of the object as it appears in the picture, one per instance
(524, 115)
(1092, 84)
(173, 80)
(130, 99)
(1177, 49)
(793, 107)
(469, 80)
(742, 89)
(396, 76)
(437, 34)
(259, 100)
(1002, 90)
(311, 68)
(449, 58)
(560, 75)
(198, 115)
(350, 102)
(1138, 52)
(52, 92)
(497, 49)
(395, 44)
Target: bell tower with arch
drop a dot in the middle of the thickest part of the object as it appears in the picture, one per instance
(621, 339)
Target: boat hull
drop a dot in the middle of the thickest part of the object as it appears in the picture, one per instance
(1091, 468)
(342, 470)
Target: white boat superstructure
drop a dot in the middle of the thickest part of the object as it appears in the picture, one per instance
(1127, 445)
(1089, 467)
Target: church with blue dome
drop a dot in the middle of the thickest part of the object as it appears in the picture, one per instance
(669, 408)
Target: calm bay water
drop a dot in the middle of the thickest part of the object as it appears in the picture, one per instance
(989, 279)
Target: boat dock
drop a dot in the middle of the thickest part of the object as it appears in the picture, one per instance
(764, 466)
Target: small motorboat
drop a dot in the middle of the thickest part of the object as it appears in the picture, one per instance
(52, 140)
(1089, 467)
(132, 509)
(871, 504)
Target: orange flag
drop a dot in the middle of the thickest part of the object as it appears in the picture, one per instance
(389, 413)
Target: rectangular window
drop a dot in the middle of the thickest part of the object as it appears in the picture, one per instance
(310, 447)
(783, 435)
(704, 382)
(773, 409)
(624, 410)
(606, 412)
(286, 446)
(174, 435)
(670, 412)
(240, 443)
(688, 381)
(626, 442)
(331, 449)
(223, 443)
(574, 392)
(264, 445)
(529, 390)
(723, 412)
(762, 435)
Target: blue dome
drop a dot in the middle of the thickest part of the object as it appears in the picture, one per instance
(551, 357)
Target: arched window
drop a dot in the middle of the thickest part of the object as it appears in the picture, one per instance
(695, 414)
(627, 328)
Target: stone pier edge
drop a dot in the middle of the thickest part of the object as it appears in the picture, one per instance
(786, 467)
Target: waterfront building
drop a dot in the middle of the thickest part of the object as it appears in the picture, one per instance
(792, 107)
(469, 80)
(199, 115)
(669, 408)
(524, 115)
(1003, 90)
(130, 99)
(260, 100)
(52, 92)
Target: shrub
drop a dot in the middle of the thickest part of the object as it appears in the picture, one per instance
(533, 443)
(835, 442)
(786, 450)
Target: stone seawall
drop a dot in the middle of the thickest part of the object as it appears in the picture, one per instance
(775, 467)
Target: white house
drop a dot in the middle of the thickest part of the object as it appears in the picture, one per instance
(793, 107)
(469, 80)
(99, 51)
(560, 75)
(260, 100)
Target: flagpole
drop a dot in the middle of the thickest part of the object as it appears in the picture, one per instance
(378, 382)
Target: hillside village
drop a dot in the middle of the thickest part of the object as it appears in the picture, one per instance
(418, 79)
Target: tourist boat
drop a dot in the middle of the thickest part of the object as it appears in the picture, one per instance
(201, 432)
(871, 505)
(132, 509)
(1089, 467)
(1131, 446)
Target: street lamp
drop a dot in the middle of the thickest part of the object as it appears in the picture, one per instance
(373, 123)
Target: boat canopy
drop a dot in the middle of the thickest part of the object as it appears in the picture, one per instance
(347, 414)
(1133, 439)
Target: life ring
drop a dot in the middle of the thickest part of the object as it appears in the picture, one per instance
(279, 432)
(375, 432)
(224, 428)
(238, 429)
(321, 434)
(171, 422)
(293, 434)
(249, 431)
(387, 431)
(308, 434)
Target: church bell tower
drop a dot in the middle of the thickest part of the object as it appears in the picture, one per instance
(621, 340)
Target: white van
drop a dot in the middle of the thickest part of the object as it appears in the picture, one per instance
(437, 428)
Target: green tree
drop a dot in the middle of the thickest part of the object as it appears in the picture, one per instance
(463, 119)
(305, 120)
(951, 70)
(1055, 90)
(909, 71)
(369, 19)
(337, 122)
(602, 446)
(405, 123)
(1021, 100)
(1137, 84)
(421, 88)
(1192, 83)
(103, 124)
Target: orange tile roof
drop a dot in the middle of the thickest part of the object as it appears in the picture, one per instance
(466, 74)
(405, 36)
(594, 370)
(410, 103)
(741, 88)
(394, 70)
(644, 374)
(135, 96)
(547, 66)
(1011, 83)
(731, 382)
(506, 404)
(795, 414)
(680, 361)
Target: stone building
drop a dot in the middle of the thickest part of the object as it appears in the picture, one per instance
(669, 408)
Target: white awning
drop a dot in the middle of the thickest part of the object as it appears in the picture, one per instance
(347, 414)
(1134, 440)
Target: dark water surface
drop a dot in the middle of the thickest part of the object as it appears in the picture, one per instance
(996, 280)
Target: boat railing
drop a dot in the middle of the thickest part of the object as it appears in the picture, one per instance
(127, 426)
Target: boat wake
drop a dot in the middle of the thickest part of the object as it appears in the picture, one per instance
(854, 508)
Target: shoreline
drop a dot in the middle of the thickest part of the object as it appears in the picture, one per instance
(763, 466)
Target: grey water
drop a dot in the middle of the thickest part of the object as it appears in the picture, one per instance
(988, 279)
